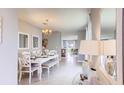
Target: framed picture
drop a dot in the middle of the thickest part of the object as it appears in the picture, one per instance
(0, 29)
(35, 41)
(23, 40)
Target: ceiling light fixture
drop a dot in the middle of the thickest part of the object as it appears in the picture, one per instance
(46, 31)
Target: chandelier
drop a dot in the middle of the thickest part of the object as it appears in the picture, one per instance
(46, 31)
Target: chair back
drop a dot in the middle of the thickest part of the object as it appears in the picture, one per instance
(25, 59)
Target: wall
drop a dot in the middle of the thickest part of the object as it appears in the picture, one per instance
(54, 42)
(120, 51)
(31, 30)
(8, 48)
(79, 35)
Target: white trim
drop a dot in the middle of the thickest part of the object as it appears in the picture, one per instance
(1, 24)
(28, 40)
(119, 46)
(38, 41)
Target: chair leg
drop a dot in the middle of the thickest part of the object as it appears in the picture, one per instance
(20, 76)
(48, 72)
(40, 73)
(29, 78)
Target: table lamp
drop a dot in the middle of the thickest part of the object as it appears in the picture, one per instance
(90, 48)
(108, 47)
(109, 50)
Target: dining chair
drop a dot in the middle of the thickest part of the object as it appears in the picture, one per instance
(25, 66)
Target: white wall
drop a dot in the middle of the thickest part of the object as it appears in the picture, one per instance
(69, 35)
(31, 30)
(8, 48)
(54, 42)
(119, 34)
(79, 35)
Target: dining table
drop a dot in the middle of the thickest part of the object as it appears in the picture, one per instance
(41, 60)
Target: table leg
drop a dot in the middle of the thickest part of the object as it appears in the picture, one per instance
(40, 72)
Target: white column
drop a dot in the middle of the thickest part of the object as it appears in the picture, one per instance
(96, 31)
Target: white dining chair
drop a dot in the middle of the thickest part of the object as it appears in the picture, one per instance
(25, 66)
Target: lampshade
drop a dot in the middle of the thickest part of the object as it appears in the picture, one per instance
(95, 47)
(109, 47)
(89, 47)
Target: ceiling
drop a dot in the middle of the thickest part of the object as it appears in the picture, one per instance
(66, 19)
(60, 19)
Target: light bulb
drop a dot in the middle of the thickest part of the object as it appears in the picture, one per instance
(50, 31)
(47, 30)
(43, 31)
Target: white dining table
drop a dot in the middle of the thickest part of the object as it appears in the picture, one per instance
(41, 60)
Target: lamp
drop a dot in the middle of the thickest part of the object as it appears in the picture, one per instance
(95, 47)
(89, 47)
(109, 50)
(108, 47)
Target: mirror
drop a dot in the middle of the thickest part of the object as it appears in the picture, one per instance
(108, 23)
(35, 41)
(108, 32)
(23, 40)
